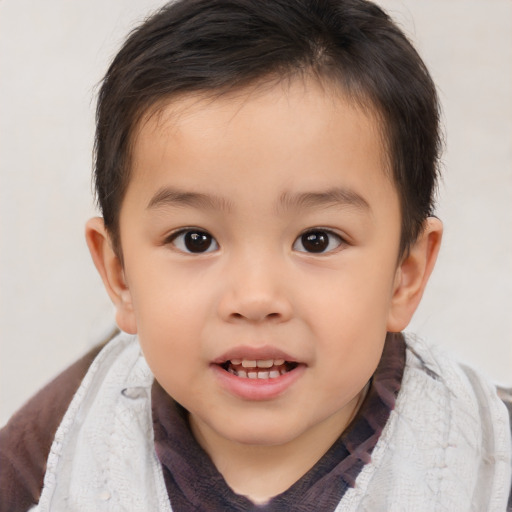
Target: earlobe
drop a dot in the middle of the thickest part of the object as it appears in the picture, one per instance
(412, 275)
(111, 271)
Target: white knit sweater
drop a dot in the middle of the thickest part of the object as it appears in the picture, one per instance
(445, 447)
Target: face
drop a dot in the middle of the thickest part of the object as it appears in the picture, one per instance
(260, 236)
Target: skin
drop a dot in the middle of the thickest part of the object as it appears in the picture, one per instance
(256, 171)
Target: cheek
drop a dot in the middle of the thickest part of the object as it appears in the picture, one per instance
(355, 295)
(163, 292)
(348, 314)
(170, 333)
(171, 313)
(169, 317)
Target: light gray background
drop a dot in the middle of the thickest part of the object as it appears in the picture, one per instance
(52, 55)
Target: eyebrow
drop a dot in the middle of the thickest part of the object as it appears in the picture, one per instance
(173, 197)
(336, 196)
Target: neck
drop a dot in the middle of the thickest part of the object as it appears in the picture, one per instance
(260, 471)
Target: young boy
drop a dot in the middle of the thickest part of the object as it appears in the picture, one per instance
(266, 174)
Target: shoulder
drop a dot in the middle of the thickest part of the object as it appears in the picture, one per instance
(506, 396)
(108, 425)
(472, 402)
(25, 441)
(466, 386)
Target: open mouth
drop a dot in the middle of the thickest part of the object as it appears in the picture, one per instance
(258, 369)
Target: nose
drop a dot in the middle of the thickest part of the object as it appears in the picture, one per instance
(255, 290)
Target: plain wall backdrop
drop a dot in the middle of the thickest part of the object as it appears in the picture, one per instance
(52, 303)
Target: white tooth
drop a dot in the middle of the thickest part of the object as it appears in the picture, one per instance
(246, 363)
(265, 363)
(278, 362)
(242, 374)
(283, 372)
(230, 370)
(263, 375)
(274, 374)
(252, 375)
(236, 361)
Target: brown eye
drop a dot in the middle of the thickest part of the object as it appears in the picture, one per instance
(194, 241)
(317, 241)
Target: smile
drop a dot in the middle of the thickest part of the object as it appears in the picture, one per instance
(257, 373)
(258, 369)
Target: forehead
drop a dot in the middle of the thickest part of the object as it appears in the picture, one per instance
(296, 130)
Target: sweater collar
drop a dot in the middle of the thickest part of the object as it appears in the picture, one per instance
(193, 482)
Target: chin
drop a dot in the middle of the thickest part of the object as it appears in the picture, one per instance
(262, 439)
(271, 433)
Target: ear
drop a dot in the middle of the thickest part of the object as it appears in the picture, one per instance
(413, 273)
(111, 271)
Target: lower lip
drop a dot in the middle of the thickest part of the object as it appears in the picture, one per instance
(257, 389)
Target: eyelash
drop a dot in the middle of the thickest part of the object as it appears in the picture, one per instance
(202, 237)
(320, 241)
(319, 237)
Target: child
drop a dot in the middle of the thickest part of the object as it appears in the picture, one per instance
(266, 174)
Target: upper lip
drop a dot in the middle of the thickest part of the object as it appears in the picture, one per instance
(255, 353)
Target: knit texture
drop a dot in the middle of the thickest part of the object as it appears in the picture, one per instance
(446, 445)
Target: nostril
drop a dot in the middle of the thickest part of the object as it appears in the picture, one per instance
(253, 317)
(254, 307)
